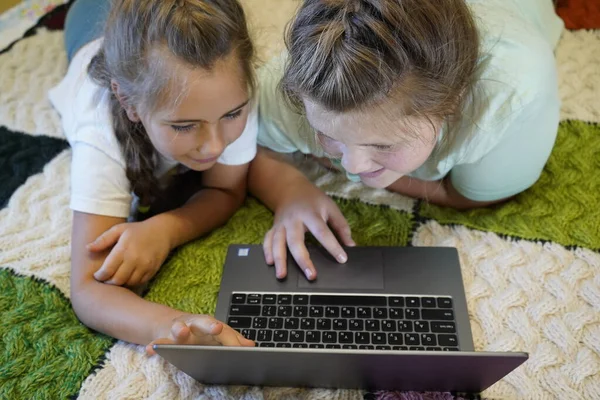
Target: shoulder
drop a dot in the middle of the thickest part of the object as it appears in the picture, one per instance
(517, 58)
(517, 46)
(84, 106)
(281, 128)
(517, 82)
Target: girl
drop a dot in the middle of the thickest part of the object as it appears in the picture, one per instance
(454, 101)
(167, 89)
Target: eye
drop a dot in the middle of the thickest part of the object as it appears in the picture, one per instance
(183, 128)
(233, 115)
(382, 147)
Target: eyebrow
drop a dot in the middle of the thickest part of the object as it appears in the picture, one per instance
(363, 144)
(181, 121)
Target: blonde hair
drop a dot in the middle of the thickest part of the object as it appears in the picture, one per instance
(347, 55)
(196, 32)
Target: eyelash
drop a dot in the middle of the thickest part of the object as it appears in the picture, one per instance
(233, 115)
(185, 128)
(383, 148)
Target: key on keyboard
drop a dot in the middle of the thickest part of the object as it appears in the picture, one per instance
(351, 322)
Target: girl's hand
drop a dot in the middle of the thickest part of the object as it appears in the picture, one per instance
(198, 329)
(305, 208)
(138, 253)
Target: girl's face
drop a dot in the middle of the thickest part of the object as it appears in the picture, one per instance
(207, 116)
(374, 144)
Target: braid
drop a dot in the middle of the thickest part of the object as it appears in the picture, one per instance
(138, 152)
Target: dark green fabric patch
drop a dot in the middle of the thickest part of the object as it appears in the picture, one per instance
(21, 156)
(45, 352)
(563, 206)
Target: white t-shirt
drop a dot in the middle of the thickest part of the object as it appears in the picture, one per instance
(99, 184)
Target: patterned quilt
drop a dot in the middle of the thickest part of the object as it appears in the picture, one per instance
(531, 267)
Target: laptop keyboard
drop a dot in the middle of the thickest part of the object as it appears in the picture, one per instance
(331, 321)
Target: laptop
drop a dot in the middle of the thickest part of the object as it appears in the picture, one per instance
(391, 318)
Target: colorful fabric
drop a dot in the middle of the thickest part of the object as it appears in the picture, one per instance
(16, 21)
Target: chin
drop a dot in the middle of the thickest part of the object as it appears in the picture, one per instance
(198, 167)
(383, 181)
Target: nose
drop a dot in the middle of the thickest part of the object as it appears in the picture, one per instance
(212, 143)
(355, 160)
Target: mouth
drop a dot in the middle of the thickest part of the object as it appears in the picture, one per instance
(372, 174)
(204, 160)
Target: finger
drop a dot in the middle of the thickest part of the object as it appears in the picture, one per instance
(242, 339)
(107, 239)
(150, 351)
(268, 247)
(110, 265)
(230, 337)
(323, 234)
(280, 253)
(202, 325)
(180, 332)
(210, 332)
(122, 274)
(135, 278)
(146, 278)
(338, 222)
(295, 242)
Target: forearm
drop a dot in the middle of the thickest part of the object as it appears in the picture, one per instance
(432, 191)
(440, 193)
(269, 179)
(205, 211)
(118, 312)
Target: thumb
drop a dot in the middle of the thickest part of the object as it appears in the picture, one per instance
(204, 325)
(340, 226)
(107, 239)
(149, 347)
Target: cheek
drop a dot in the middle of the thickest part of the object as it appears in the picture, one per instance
(234, 128)
(406, 160)
(168, 142)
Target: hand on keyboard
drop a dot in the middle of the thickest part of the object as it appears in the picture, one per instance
(199, 329)
(306, 209)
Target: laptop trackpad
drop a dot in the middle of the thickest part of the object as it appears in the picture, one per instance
(363, 270)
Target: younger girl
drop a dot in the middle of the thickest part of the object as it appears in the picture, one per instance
(454, 101)
(166, 90)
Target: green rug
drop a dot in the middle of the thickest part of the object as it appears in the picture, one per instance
(563, 206)
(45, 352)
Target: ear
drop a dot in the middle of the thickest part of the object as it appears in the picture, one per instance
(129, 109)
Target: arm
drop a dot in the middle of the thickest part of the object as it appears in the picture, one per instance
(271, 179)
(120, 313)
(527, 120)
(140, 248)
(113, 310)
(441, 193)
(299, 206)
(224, 191)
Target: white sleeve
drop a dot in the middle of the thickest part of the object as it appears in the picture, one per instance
(243, 150)
(99, 184)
